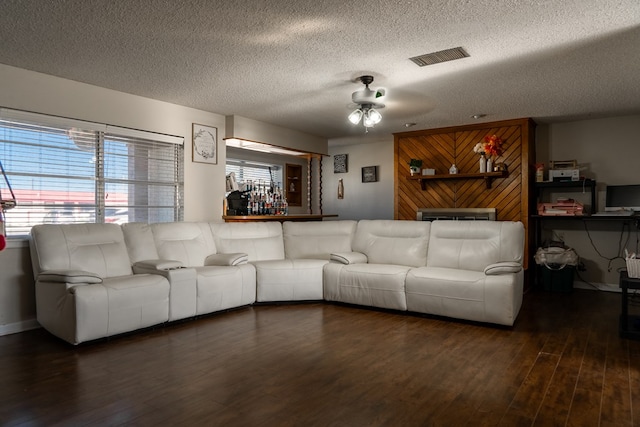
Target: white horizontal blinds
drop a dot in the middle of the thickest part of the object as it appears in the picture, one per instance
(65, 173)
(52, 172)
(143, 178)
(258, 173)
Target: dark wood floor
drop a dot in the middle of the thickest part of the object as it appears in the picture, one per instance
(331, 365)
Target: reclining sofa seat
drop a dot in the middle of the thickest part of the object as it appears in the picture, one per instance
(473, 271)
(288, 263)
(85, 286)
(374, 273)
(206, 280)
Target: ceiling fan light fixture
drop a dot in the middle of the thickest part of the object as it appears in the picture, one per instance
(355, 116)
(374, 115)
(368, 102)
(367, 122)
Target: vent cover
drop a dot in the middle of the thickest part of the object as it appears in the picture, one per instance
(438, 57)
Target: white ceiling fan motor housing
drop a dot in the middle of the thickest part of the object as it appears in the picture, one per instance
(367, 96)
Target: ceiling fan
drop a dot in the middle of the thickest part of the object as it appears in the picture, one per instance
(369, 102)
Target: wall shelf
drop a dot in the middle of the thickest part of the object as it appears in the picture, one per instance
(487, 176)
(293, 184)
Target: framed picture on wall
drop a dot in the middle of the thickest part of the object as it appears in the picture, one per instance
(205, 144)
(370, 174)
(340, 163)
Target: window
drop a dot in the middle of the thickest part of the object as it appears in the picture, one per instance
(260, 174)
(70, 171)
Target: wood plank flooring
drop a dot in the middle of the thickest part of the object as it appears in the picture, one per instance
(319, 364)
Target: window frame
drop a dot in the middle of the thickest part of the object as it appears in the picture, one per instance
(169, 185)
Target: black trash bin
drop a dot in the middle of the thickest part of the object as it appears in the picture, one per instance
(557, 265)
(557, 280)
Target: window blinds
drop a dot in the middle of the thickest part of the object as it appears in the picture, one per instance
(255, 172)
(71, 171)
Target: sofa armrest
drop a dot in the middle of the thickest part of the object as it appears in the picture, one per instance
(349, 258)
(151, 265)
(503, 267)
(69, 276)
(227, 259)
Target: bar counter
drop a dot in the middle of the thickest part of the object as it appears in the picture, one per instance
(281, 218)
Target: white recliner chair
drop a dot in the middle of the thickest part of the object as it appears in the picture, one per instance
(85, 286)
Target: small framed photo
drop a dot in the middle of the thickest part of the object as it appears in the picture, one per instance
(205, 144)
(340, 163)
(370, 174)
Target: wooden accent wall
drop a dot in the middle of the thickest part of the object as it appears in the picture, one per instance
(440, 148)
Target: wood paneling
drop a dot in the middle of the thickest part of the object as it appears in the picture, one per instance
(440, 148)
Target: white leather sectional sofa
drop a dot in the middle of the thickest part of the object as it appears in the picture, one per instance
(98, 280)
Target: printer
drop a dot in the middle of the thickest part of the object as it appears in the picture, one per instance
(564, 170)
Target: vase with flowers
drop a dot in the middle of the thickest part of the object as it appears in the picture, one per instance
(479, 149)
(488, 149)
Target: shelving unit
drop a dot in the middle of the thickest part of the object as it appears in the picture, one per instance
(541, 187)
(293, 184)
(583, 184)
(487, 176)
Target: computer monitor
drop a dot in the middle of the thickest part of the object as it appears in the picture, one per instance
(623, 197)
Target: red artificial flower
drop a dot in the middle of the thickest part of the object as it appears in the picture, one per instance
(492, 145)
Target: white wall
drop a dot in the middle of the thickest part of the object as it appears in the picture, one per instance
(253, 130)
(371, 200)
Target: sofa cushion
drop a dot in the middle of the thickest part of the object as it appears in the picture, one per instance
(188, 242)
(375, 285)
(223, 287)
(393, 242)
(465, 294)
(473, 245)
(289, 279)
(95, 248)
(139, 240)
(317, 239)
(259, 240)
(136, 301)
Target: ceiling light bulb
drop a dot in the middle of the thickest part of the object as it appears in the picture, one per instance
(374, 116)
(367, 121)
(355, 116)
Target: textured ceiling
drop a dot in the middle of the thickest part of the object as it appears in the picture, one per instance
(293, 63)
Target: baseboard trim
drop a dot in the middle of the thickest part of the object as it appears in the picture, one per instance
(14, 328)
(607, 287)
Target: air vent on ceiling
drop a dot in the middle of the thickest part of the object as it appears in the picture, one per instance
(438, 57)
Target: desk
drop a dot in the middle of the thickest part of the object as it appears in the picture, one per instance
(537, 222)
(629, 324)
